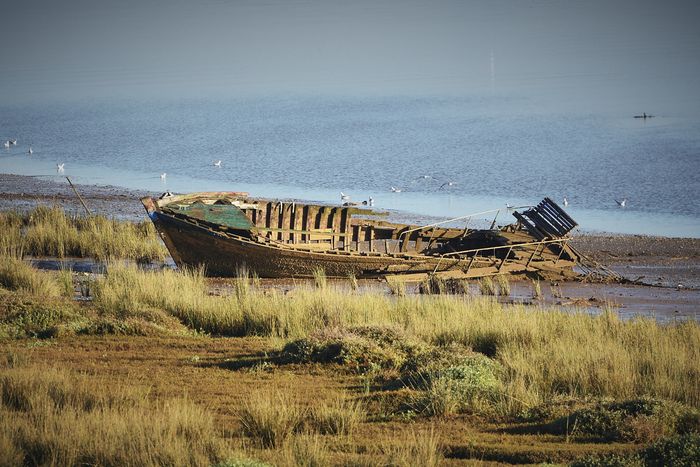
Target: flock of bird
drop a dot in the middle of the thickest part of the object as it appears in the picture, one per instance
(344, 198)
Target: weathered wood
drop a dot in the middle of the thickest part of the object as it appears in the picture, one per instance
(297, 223)
(221, 248)
(285, 215)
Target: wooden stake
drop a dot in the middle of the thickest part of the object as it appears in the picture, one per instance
(79, 197)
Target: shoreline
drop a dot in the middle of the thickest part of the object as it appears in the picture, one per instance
(669, 267)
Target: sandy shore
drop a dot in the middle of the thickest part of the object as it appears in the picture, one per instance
(671, 265)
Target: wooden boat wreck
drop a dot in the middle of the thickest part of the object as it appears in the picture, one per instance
(225, 231)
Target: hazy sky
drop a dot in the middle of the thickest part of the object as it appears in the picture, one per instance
(631, 52)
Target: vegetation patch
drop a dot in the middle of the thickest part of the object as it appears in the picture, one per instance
(49, 231)
(53, 417)
(678, 451)
(361, 347)
(23, 315)
(638, 420)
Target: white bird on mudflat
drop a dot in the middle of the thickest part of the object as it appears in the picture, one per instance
(448, 183)
(622, 203)
(163, 175)
(7, 145)
(566, 201)
(395, 190)
(30, 152)
(344, 197)
(60, 167)
(13, 142)
(217, 163)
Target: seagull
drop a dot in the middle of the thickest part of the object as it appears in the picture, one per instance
(449, 183)
(344, 197)
(423, 177)
(7, 145)
(59, 167)
(370, 201)
(622, 203)
(13, 142)
(30, 152)
(566, 201)
(217, 163)
(163, 175)
(395, 190)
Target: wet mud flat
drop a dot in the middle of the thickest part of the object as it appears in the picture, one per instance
(669, 266)
(20, 192)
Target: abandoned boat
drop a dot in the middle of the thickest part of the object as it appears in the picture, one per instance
(227, 231)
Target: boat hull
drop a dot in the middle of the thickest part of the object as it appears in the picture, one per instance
(223, 254)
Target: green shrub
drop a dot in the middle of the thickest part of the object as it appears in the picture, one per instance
(678, 451)
(361, 347)
(640, 420)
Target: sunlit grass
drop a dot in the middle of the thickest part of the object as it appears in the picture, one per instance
(545, 351)
(49, 231)
(54, 417)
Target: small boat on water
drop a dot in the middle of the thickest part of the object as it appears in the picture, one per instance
(227, 231)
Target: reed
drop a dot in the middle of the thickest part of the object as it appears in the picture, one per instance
(53, 417)
(270, 418)
(415, 448)
(339, 417)
(487, 286)
(15, 274)
(536, 289)
(397, 286)
(503, 285)
(545, 351)
(49, 231)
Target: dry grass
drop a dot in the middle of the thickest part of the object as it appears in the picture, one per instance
(536, 289)
(396, 286)
(271, 417)
(487, 286)
(503, 285)
(15, 274)
(49, 231)
(53, 417)
(414, 448)
(545, 351)
(339, 417)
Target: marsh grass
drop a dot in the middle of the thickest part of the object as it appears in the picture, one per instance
(536, 289)
(15, 274)
(352, 281)
(397, 286)
(53, 417)
(544, 352)
(65, 282)
(487, 286)
(49, 231)
(271, 417)
(306, 450)
(503, 285)
(338, 417)
(320, 279)
(414, 448)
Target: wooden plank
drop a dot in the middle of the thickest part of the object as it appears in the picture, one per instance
(308, 221)
(296, 223)
(347, 229)
(285, 214)
(335, 224)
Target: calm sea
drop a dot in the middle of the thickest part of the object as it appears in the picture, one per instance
(493, 150)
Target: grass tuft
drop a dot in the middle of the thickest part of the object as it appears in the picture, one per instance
(270, 418)
(339, 417)
(487, 286)
(53, 417)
